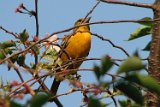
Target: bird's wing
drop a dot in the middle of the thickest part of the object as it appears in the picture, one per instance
(65, 40)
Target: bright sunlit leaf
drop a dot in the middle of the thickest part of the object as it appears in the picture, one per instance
(140, 32)
(130, 64)
(146, 23)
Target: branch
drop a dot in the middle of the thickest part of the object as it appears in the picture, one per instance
(128, 3)
(36, 17)
(154, 57)
(87, 90)
(68, 92)
(25, 82)
(17, 70)
(121, 21)
(44, 87)
(19, 86)
(9, 32)
(87, 69)
(112, 97)
(116, 46)
(37, 30)
(68, 29)
(92, 9)
(15, 67)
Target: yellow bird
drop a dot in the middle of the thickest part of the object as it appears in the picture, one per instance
(76, 45)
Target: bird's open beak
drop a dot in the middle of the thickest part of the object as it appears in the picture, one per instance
(87, 20)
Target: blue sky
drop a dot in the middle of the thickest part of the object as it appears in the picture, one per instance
(55, 15)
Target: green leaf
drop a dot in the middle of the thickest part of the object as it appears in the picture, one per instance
(131, 91)
(147, 48)
(21, 60)
(7, 44)
(2, 56)
(123, 103)
(35, 49)
(106, 64)
(39, 100)
(46, 66)
(97, 71)
(24, 36)
(146, 23)
(146, 81)
(140, 32)
(95, 103)
(5, 51)
(50, 55)
(127, 103)
(15, 104)
(14, 58)
(130, 64)
(136, 54)
(8, 51)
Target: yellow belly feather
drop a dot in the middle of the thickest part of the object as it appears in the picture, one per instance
(78, 46)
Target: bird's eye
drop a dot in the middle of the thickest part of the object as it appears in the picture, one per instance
(80, 20)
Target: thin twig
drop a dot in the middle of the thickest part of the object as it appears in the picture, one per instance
(19, 86)
(35, 58)
(37, 30)
(114, 100)
(92, 9)
(73, 90)
(31, 79)
(89, 69)
(9, 32)
(128, 3)
(68, 92)
(121, 21)
(74, 61)
(41, 85)
(36, 17)
(17, 71)
(44, 87)
(116, 46)
(15, 67)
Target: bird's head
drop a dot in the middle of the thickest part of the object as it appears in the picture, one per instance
(82, 21)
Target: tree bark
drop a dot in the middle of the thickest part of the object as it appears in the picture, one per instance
(153, 100)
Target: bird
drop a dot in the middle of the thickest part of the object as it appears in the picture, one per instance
(74, 46)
